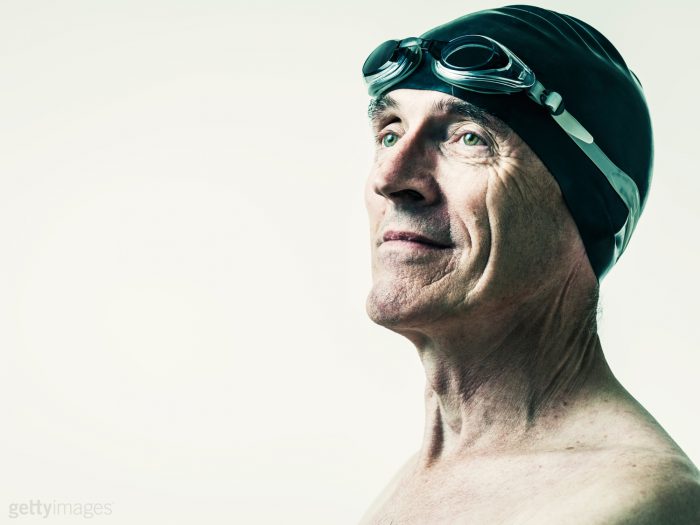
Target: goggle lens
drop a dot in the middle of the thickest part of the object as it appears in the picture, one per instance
(379, 57)
(474, 56)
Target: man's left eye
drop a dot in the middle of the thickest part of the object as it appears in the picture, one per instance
(472, 139)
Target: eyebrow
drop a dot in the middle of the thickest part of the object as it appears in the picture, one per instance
(382, 106)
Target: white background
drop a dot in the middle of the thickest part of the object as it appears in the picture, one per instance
(184, 256)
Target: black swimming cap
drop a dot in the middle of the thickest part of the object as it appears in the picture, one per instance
(572, 58)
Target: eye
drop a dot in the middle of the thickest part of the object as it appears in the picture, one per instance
(389, 139)
(472, 139)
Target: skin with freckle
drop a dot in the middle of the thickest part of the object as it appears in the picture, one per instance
(525, 422)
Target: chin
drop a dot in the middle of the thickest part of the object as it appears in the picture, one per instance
(396, 307)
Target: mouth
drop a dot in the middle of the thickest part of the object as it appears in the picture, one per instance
(414, 239)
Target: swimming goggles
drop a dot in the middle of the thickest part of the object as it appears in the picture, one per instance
(479, 63)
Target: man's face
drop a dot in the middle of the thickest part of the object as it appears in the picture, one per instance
(462, 213)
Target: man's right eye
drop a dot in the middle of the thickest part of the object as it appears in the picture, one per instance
(389, 139)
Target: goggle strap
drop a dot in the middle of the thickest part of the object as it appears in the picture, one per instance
(554, 102)
(622, 183)
(550, 99)
(572, 126)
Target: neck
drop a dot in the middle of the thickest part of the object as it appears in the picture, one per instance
(508, 381)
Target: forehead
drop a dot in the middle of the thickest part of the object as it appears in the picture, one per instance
(418, 104)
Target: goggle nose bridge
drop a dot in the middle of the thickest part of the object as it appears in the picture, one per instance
(431, 46)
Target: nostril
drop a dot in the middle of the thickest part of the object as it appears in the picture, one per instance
(408, 194)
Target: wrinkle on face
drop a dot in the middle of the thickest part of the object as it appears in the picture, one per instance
(501, 208)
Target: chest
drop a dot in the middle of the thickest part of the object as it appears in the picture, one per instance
(502, 494)
(417, 502)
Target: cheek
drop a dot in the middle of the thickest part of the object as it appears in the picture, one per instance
(523, 225)
(469, 218)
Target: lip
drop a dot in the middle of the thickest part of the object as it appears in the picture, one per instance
(413, 238)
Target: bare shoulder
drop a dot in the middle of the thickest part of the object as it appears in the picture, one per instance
(637, 486)
(628, 470)
(611, 486)
(661, 489)
(643, 476)
(390, 488)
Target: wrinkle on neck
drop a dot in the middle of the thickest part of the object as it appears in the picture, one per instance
(508, 382)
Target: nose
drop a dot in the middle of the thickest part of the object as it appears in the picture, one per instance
(405, 173)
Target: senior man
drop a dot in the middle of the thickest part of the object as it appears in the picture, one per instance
(513, 158)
